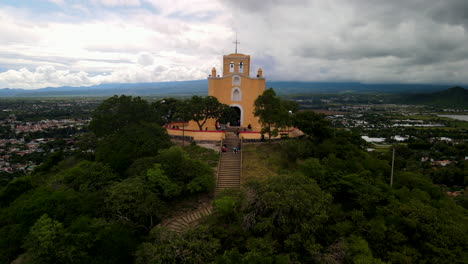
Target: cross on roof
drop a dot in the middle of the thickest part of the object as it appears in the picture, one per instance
(236, 42)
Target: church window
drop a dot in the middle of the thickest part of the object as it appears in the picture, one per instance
(236, 94)
(236, 80)
(241, 66)
(231, 67)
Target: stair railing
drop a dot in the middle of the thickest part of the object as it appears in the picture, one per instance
(241, 150)
(219, 163)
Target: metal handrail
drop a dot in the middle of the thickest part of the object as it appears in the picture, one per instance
(219, 164)
(241, 150)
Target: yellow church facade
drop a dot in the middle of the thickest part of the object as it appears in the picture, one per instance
(236, 88)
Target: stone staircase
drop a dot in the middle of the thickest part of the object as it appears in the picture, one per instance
(190, 219)
(229, 170)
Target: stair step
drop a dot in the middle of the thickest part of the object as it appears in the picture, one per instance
(176, 224)
(197, 215)
(228, 182)
(206, 211)
(189, 218)
(184, 220)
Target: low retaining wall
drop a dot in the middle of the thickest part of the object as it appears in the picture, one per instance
(177, 130)
(254, 136)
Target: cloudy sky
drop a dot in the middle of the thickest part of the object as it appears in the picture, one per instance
(85, 42)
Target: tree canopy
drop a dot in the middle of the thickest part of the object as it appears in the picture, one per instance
(200, 109)
(313, 124)
(273, 113)
(118, 112)
(315, 199)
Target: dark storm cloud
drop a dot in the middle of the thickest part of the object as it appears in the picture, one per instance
(362, 40)
(454, 12)
(261, 6)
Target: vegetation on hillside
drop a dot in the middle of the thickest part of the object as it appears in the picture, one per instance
(455, 97)
(319, 199)
(322, 199)
(98, 205)
(327, 201)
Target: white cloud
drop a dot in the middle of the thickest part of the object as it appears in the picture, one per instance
(321, 40)
(117, 2)
(45, 75)
(127, 48)
(145, 59)
(57, 2)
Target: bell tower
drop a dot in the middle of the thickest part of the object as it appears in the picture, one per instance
(236, 63)
(237, 88)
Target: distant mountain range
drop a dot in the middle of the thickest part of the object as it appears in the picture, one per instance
(200, 87)
(456, 97)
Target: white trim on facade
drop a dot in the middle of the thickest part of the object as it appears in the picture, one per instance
(234, 96)
(236, 80)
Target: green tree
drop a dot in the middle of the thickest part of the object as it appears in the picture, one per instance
(135, 141)
(168, 110)
(14, 189)
(195, 246)
(195, 176)
(133, 202)
(229, 115)
(312, 124)
(273, 113)
(45, 240)
(312, 168)
(119, 112)
(359, 252)
(276, 220)
(161, 182)
(88, 176)
(200, 109)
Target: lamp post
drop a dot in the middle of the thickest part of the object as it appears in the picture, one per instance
(289, 123)
(183, 127)
(160, 103)
(393, 163)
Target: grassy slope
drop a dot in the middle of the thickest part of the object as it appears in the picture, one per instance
(209, 156)
(260, 161)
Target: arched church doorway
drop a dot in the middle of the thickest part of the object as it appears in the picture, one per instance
(236, 117)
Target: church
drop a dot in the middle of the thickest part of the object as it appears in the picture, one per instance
(236, 88)
(233, 86)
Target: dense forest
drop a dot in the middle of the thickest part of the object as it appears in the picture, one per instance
(328, 201)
